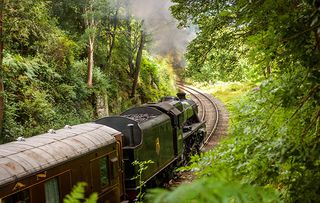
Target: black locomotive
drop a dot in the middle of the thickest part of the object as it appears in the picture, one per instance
(43, 168)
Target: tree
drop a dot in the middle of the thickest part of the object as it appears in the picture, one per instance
(136, 39)
(111, 30)
(90, 24)
(88, 19)
(271, 33)
(138, 63)
(23, 25)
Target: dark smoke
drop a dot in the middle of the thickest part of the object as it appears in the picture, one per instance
(162, 26)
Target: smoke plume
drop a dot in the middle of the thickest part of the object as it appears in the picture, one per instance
(162, 26)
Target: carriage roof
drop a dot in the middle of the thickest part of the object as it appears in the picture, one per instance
(23, 158)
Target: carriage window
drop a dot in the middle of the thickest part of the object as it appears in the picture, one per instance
(52, 191)
(20, 197)
(103, 164)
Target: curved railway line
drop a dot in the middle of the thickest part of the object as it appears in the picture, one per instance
(208, 111)
(216, 116)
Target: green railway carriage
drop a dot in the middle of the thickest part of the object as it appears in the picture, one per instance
(44, 168)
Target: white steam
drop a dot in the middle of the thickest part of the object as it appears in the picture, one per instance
(162, 26)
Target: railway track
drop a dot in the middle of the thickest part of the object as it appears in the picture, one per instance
(208, 111)
(216, 116)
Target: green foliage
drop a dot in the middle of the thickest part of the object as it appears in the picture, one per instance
(227, 92)
(212, 190)
(77, 195)
(272, 141)
(274, 130)
(249, 39)
(142, 166)
(25, 98)
(25, 24)
(38, 98)
(59, 50)
(219, 62)
(156, 79)
(45, 64)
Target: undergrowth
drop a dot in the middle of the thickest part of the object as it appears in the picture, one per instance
(77, 195)
(273, 140)
(272, 151)
(217, 184)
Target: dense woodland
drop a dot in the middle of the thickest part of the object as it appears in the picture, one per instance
(71, 61)
(273, 143)
(60, 60)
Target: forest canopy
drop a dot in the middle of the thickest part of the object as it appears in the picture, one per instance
(71, 61)
(274, 135)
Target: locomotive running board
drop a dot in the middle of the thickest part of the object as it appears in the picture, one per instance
(193, 128)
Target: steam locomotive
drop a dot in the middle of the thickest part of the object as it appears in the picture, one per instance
(44, 168)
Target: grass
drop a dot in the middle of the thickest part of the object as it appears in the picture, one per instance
(227, 92)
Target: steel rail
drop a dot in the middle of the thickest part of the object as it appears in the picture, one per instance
(204, 117)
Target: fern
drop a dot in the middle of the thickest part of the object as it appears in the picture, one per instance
(77, 195)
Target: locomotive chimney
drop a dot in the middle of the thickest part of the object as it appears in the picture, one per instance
(181, 95)
(131, 137)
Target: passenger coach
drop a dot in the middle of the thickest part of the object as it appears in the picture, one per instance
(44, 168)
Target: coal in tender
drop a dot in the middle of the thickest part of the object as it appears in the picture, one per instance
(139, 117)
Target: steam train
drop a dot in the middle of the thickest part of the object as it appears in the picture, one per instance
(45, 167)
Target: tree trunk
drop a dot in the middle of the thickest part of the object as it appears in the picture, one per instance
(90, 24)
(90, 60)
(130, 49)
(113, 37)
(1, 67)
(138, 65)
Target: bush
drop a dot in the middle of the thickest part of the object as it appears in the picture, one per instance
(273, 140)
(156, 79)
(38, 98)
